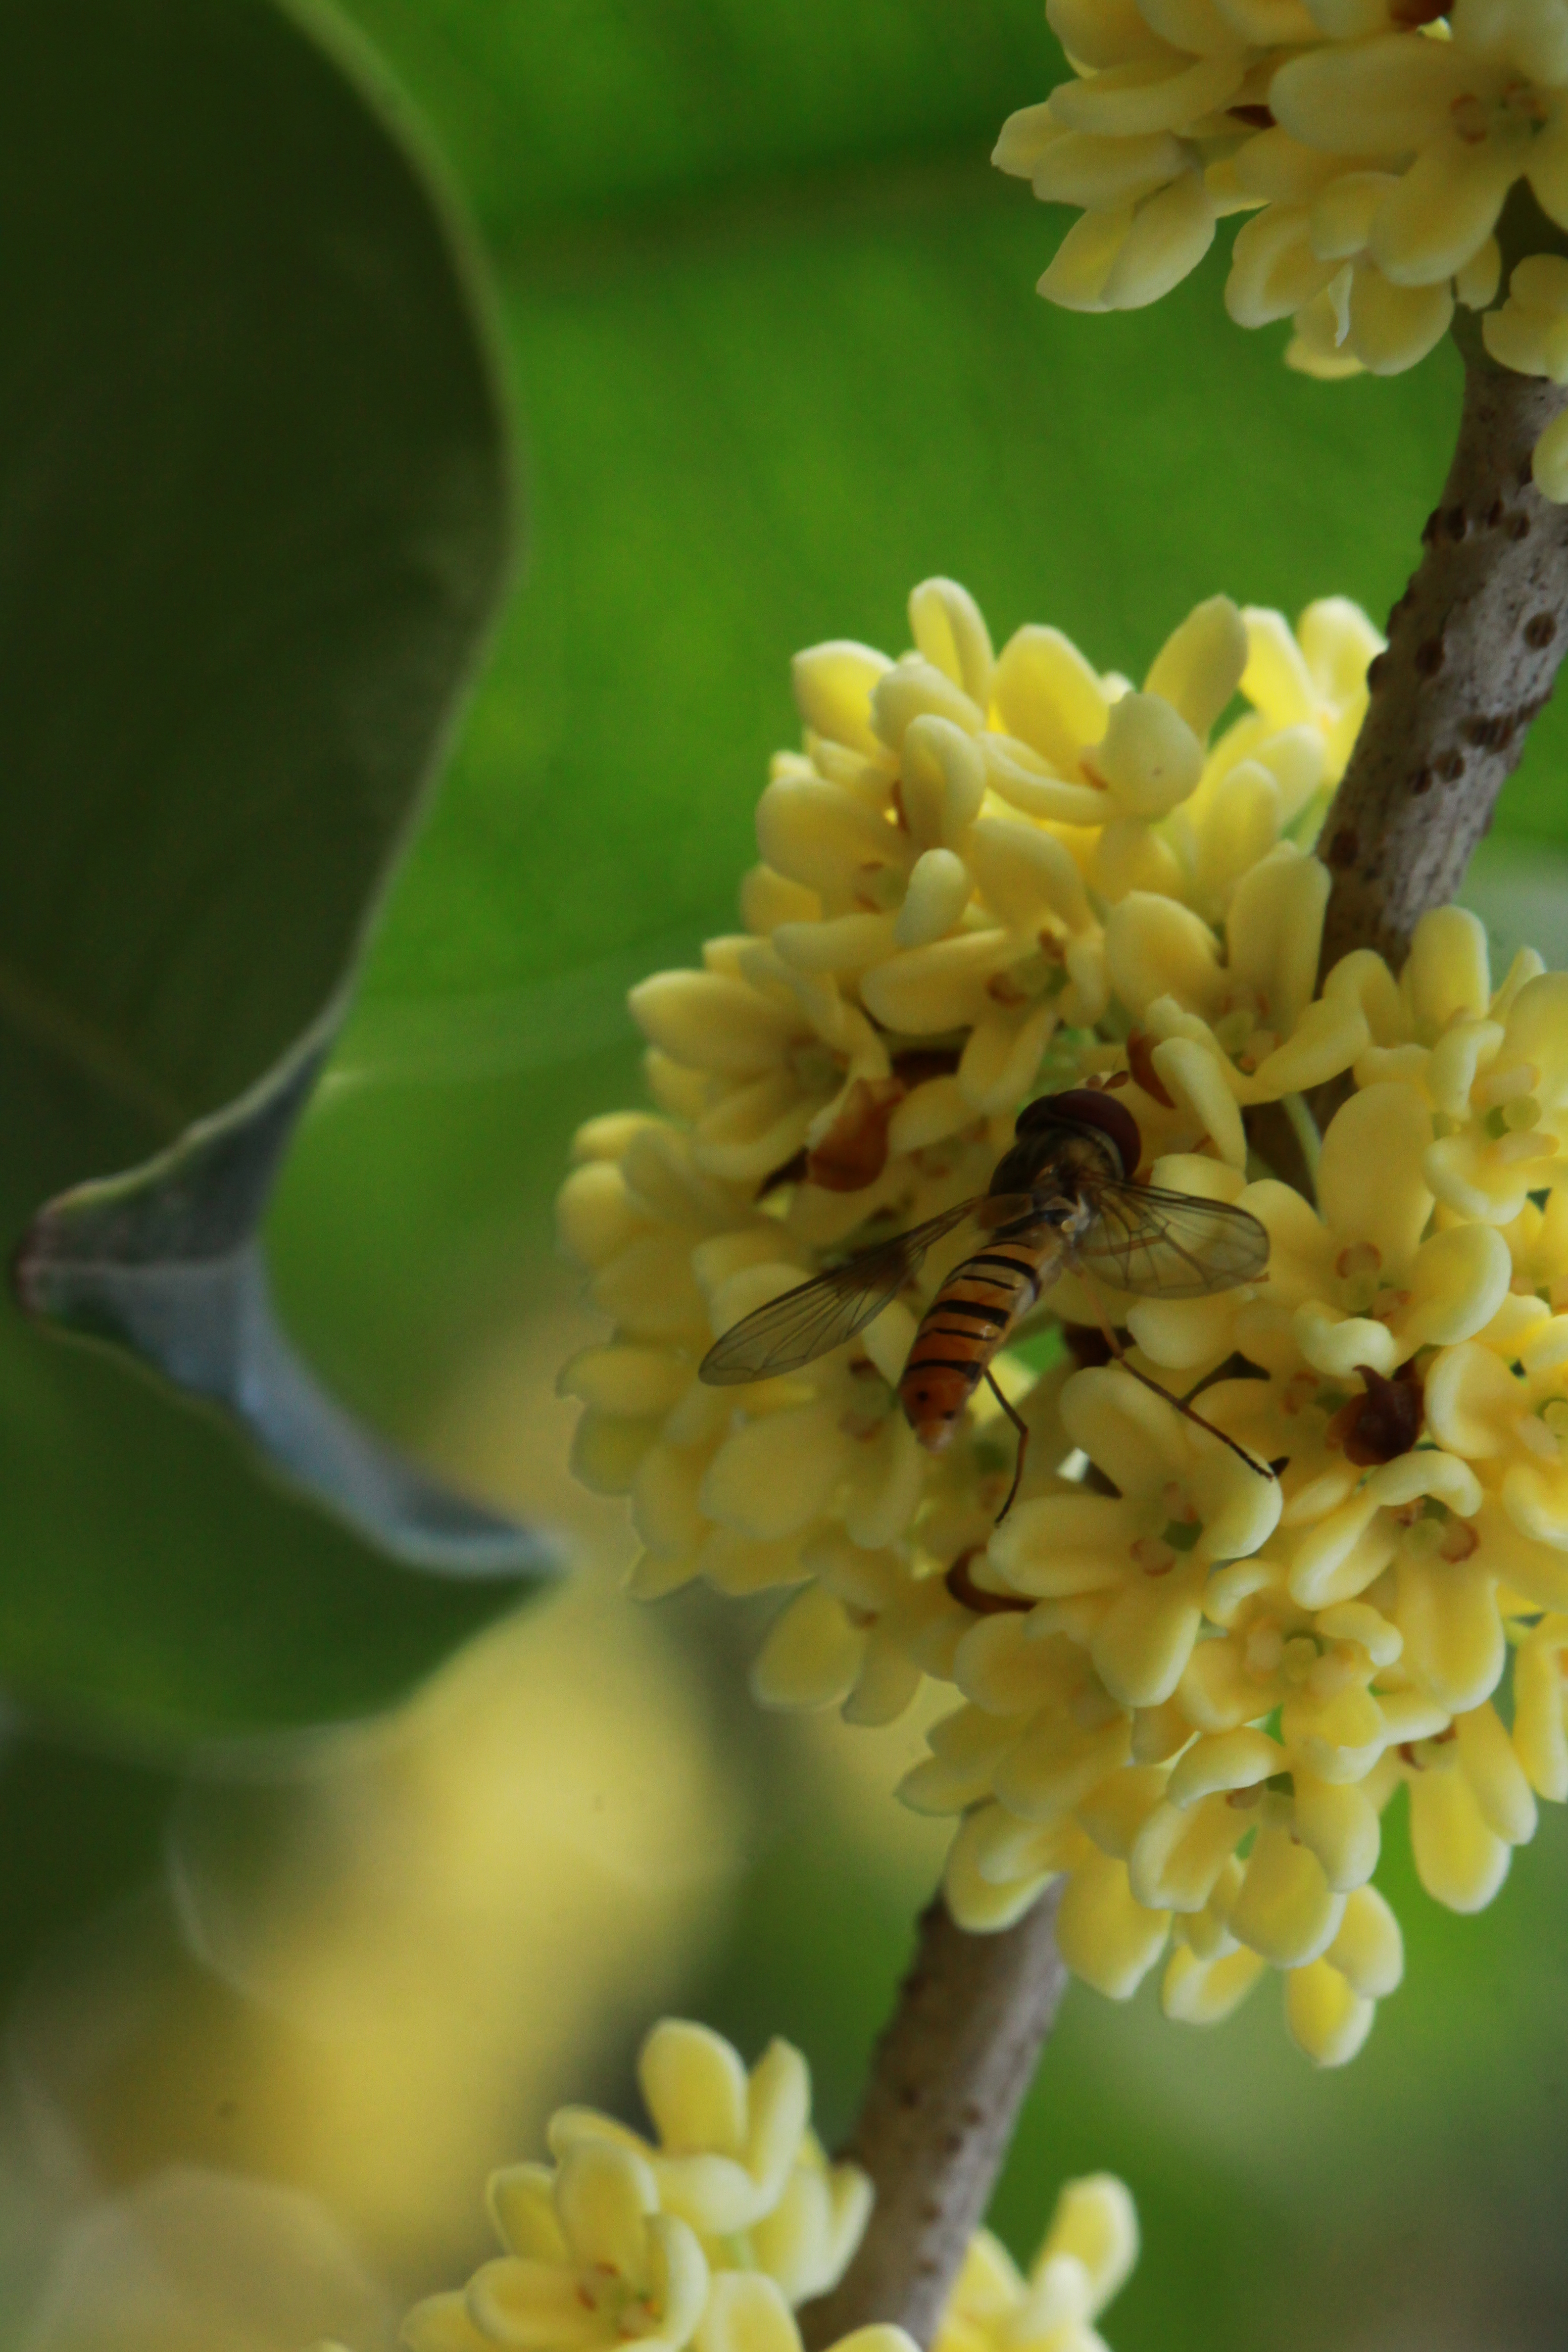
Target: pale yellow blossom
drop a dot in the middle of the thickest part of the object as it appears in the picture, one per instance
(1138, 1562)
(1145, 140)
(1372, 148)
(1084, 2259)
(594, 2260)
(625, 2239)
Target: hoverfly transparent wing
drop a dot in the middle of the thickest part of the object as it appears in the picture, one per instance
(1162, 1244)
(821, 1315)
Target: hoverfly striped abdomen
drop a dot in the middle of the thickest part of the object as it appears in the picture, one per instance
(968, 1320)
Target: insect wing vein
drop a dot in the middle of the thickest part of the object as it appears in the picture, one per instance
(818, 1316)
(1160, 1244)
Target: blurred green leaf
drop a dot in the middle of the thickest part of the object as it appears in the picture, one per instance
(554, 107)
(253, 526)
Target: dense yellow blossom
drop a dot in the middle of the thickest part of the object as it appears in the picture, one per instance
(1189, 1690)
(713, 2232)
(624, 2237)
(972, 873)
(1374, 145)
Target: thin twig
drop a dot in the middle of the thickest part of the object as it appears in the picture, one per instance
(1473, 648)
(949, 2075)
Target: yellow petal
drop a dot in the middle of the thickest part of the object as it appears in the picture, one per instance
(710, 1023)
(1369, 1951)
(440, 2324)
(694, 2086)
(1286, 1911)
(1460, 1862)
(1496, 1777)
(812, 1657)
(747, 2313)
(1339, 1823)
(1205, 1991)
(777, 1475)
(950, 630)
(1156, 948)
(1540, 1708)
(1097, 2222)
(1178, 1854)
(1327, 2020)
(915, 689)
(1458, 1282)
(1371, 1186)
(1147, 1636)
(1047, 693)
(1454, 1639)
(1103, 1934)
(832, 687)
(1274, 930)
(943, 784)
(1199, 667)
(1441, 211)
(520, 2199)
(1170, 232)
(1393, 327)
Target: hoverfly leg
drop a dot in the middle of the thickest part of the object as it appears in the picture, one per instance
(1183, 1407)
(1022, 1426)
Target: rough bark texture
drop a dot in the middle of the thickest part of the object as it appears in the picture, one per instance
(1473, 648)
(950, 2072)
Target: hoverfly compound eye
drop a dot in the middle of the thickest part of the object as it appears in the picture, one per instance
(1088, 1107)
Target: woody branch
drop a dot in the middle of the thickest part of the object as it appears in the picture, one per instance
(1474, 645)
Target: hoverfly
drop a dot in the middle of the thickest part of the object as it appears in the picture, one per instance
(1061, 1197)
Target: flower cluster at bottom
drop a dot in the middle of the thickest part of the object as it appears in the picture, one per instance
(713, 2232)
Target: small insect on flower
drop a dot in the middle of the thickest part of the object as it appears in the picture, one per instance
(1062, 1197)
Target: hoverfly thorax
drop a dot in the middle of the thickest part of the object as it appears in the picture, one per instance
(1061, 1138)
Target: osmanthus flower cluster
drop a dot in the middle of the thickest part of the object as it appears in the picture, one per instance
(1194, 1695)
(1373, 143)
(1189, 1689)
(712, 2233)
(980, 870)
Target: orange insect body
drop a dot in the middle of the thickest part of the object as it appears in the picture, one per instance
(1063, 1142)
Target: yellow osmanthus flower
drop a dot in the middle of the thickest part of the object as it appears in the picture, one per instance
(1188, 1689)
(711, 2234)
(1373, 143)
(1084, 2259)
(625, 2239)
(1148, 138)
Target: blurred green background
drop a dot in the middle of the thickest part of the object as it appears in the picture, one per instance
(774, 354)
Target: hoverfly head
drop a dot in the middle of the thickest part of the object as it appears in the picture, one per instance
(1086, 1110)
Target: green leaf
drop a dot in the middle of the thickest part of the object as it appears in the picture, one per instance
(556, 107)
(253, 528)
